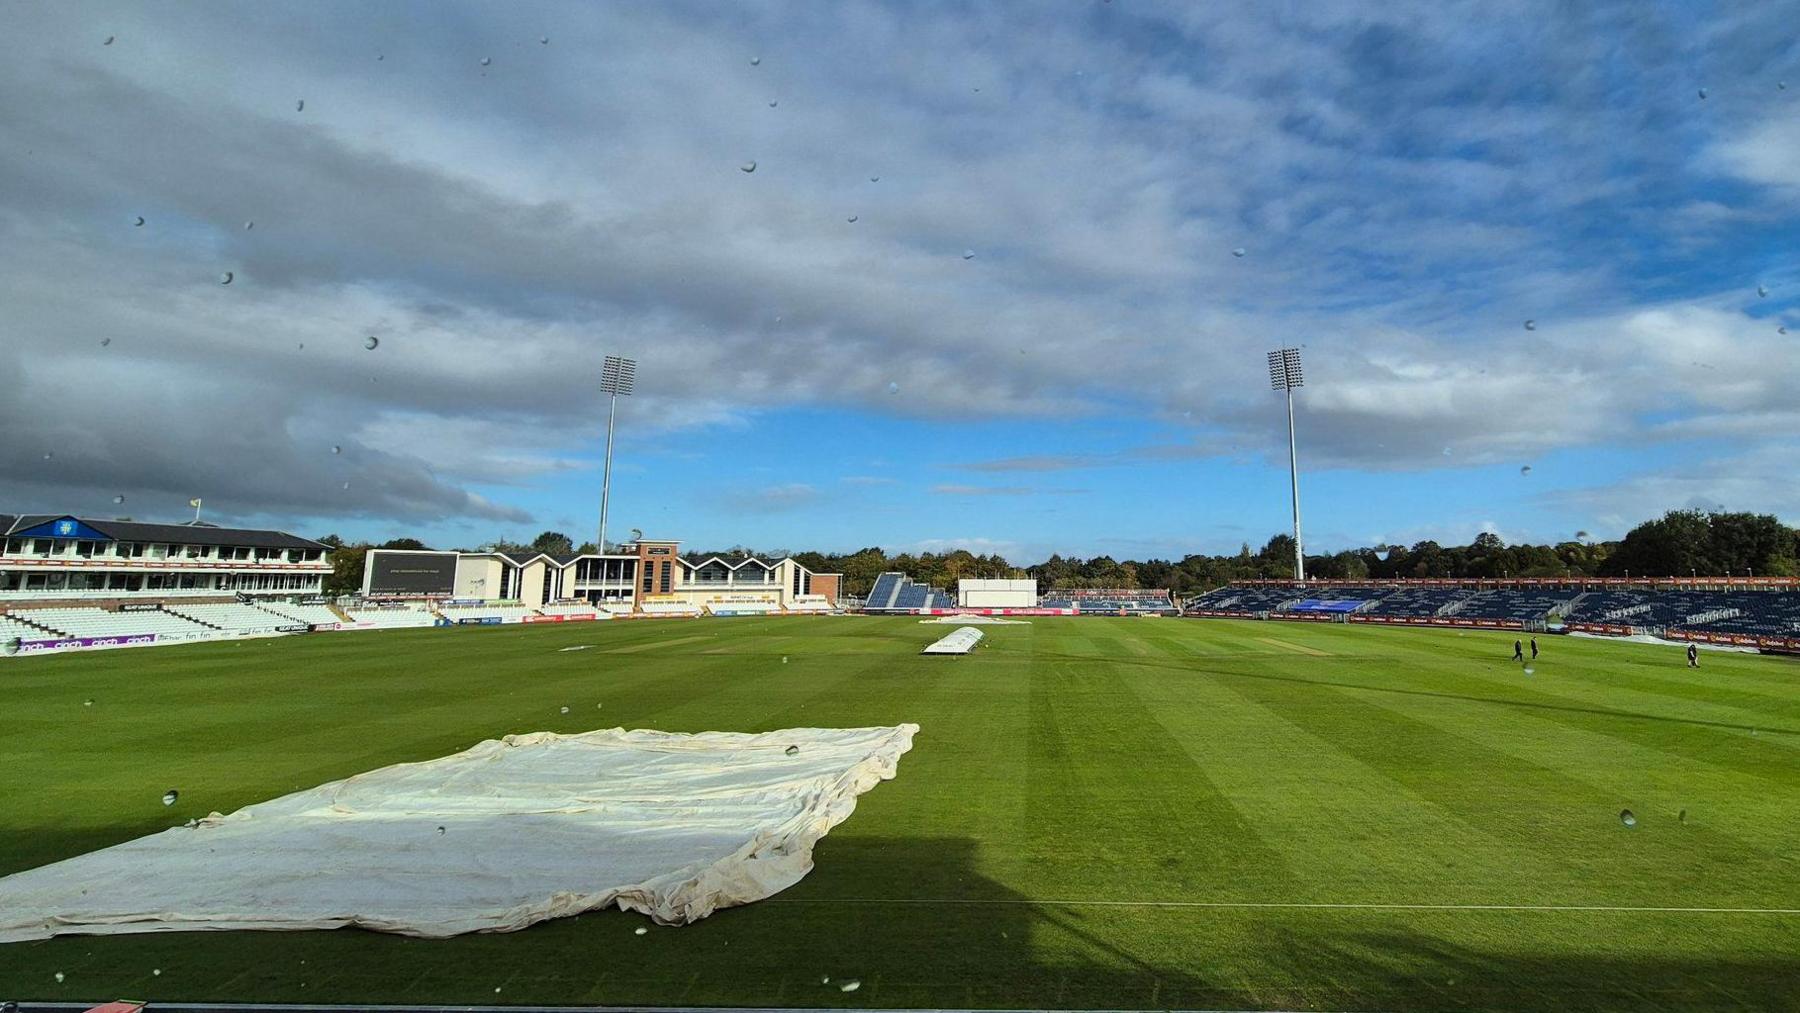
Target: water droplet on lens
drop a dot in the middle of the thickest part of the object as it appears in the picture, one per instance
(139, 222)
(755, 61)
(1531, 325)
(107, 341)
(170, 796)
(58, 976)
(784, 659)
(300, 106)
(874, 179)
(48, 455)
(337, 449)
(109, 41)
(565, 710)
(11, 646)
(968, 254)
(773, 103)
(641, 931)
(486, 60)
(87, 703)
(225, 277)
(440, 834)
(1781, 330)
(248, 225)
(371, 342)
(852, 219)
(157, 971)
(543, 40)
(118, 499)
(1240, 251)
(1627, 817)
(1781, 85)
(1703, 93)
(791, 750)
(1681, 816)
(825, 980)
(1530, 671)
(1525, 469)
(748, 167)
(893, 388)
(1762, 291)
(346, 485)
(850, 986)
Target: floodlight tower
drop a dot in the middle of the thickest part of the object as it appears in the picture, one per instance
(1284, 376)
(617, 378)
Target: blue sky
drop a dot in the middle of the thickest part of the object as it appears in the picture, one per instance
(1409, 185)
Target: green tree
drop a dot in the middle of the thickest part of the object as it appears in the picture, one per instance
(553, 542)
(346, 575)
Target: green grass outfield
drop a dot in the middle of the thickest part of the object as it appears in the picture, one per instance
(1097, 812)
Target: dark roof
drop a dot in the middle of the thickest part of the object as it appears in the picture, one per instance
(185, 534)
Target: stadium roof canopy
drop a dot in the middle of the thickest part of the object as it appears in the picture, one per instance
(70, 526)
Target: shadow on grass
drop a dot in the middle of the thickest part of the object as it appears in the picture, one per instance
(997, 948)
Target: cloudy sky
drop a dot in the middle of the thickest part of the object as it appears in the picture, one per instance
(1003, 276)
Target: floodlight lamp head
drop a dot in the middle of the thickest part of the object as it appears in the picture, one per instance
(618, 375)
(1284, 369)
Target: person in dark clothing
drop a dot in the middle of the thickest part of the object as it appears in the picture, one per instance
(1533, 648)
(1693, 656)
(1518, 651)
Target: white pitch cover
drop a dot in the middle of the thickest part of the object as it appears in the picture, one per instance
(495, 838)
(959, 641)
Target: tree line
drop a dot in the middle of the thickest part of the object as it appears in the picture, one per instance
(1680, 543)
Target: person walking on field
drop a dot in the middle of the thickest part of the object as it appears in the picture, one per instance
(1693, 656)
(1518, 651)
(1533, 648)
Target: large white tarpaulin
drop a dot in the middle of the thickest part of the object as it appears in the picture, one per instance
(492, 839)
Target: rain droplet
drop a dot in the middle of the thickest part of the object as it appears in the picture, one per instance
(1525, 469)
(440, 834)
(157, 971)
(543, 40)
(337, 449)
(1627, 817)
(48, 455)
(1762, 291)
(747, 167)
(496, 989)
(641, 931)
(346, 485)
(1530, 671)
(10, 647)
(486, 60)
(170, 796)
(1240, 251)
(893, 388)
(58, 976)
(371, 342)
(1531, 325)
(248, 225)
(225, 277)
(118, 499)
(300, 106)
(107, 341)
(773, 103)
(109, 41)
(1446, 451)
(1703, 93)
(968, 254)
(784, 659)
(792, 750)
(825, 980)
(1781, 85)
(565, 710)
(852, 219)
(139, 222)
(1781, 330)
(87, 703)
(1681, 816)
(850, 986)
(755, 61)
(874, 179)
